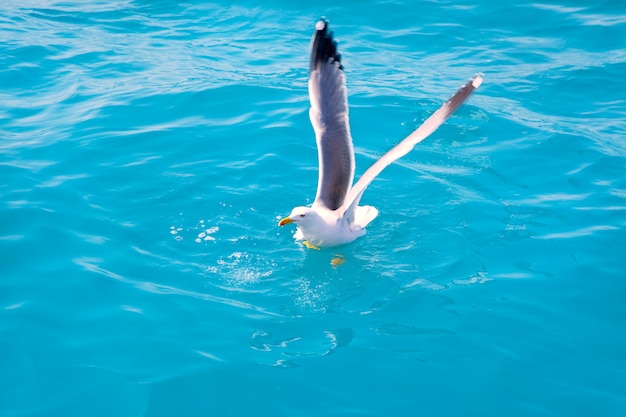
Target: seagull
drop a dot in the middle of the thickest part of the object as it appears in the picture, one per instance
(335, 217)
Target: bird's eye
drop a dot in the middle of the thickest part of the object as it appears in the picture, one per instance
(302, 215)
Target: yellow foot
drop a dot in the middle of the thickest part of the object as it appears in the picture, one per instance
(337, 260)
(310, 245)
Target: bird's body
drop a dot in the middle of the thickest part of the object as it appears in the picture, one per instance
(323, 227)
(335, 217)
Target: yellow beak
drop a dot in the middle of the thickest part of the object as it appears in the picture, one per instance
(285, 221)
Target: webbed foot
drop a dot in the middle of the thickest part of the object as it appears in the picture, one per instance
(337, 260)
(310, 245)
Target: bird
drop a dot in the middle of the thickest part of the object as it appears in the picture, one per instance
(335, 217)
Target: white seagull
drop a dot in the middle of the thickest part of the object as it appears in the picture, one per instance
(335, 218)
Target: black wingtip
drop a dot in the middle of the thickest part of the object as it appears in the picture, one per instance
(323, 46)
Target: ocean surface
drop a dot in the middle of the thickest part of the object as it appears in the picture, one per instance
(148, 148)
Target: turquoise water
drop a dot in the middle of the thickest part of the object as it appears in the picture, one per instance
(147, 149)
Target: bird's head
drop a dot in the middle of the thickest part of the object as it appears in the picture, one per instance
(303, 217)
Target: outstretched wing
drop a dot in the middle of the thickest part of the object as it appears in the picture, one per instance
(429, 126)
(329, 117)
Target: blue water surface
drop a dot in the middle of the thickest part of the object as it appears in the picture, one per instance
(147, 149)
